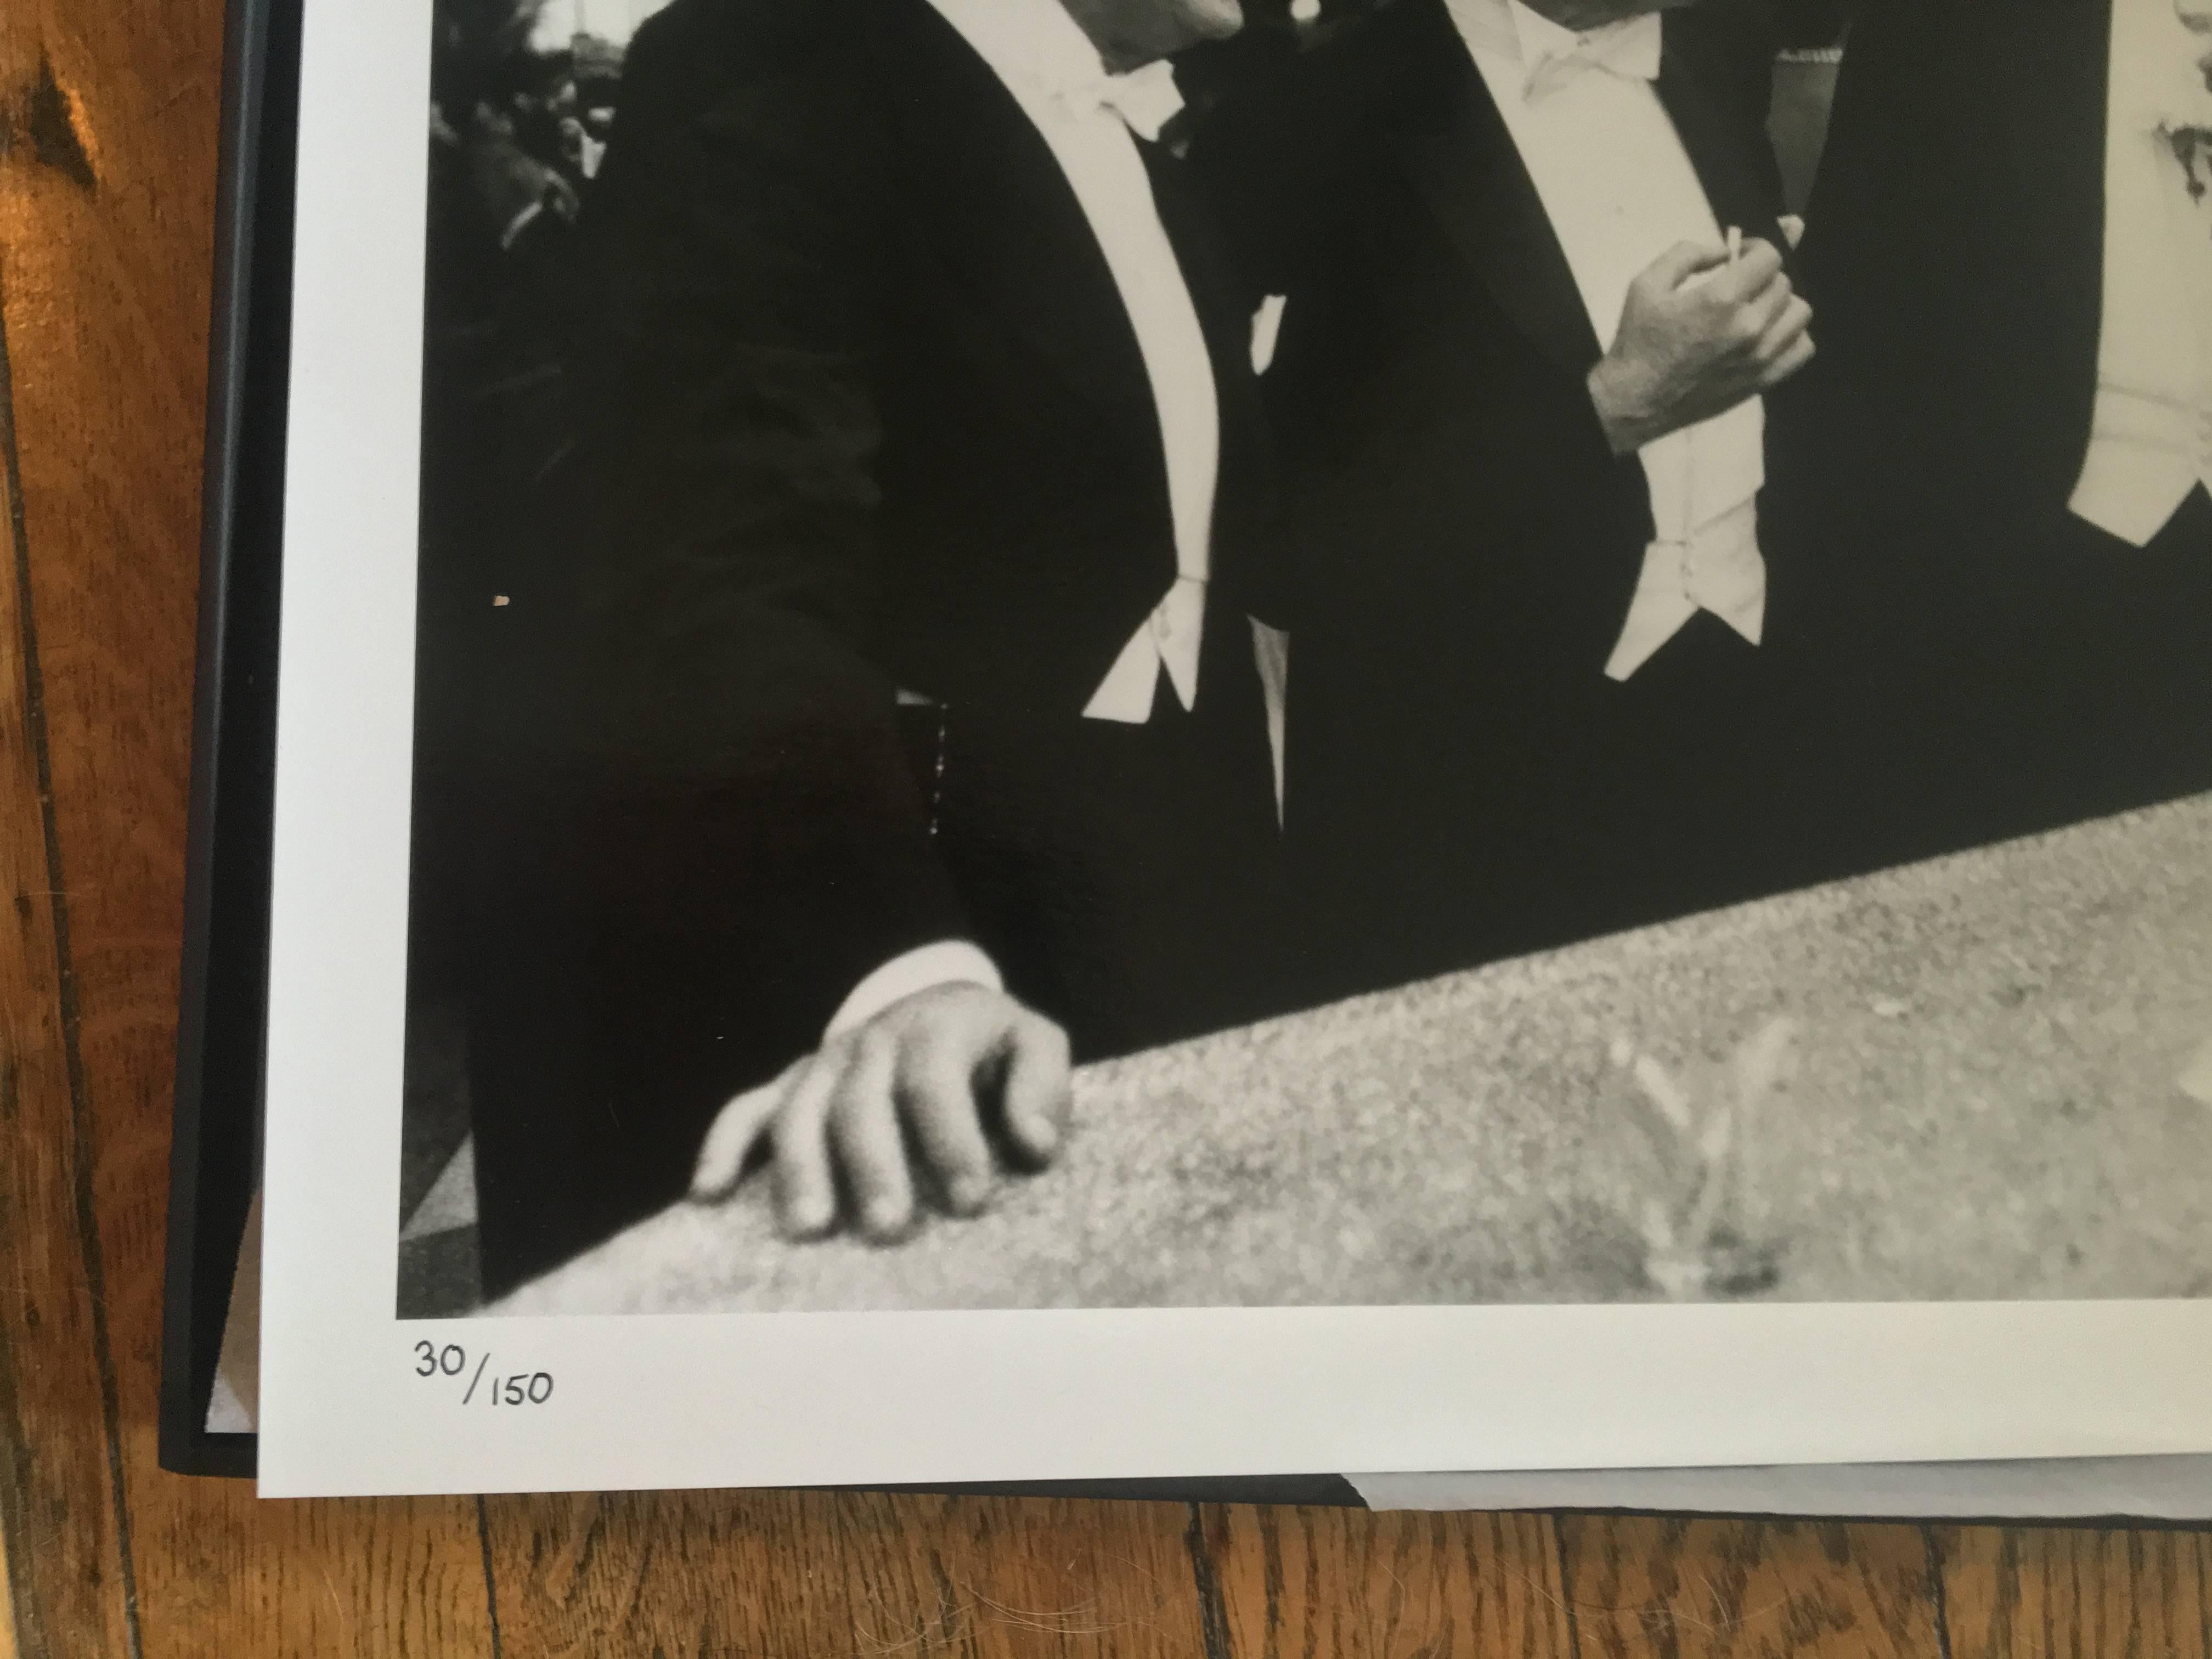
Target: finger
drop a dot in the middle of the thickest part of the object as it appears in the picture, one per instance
(1680, 263)
(1038, 1100)
(806, 1193)
(1791, 362)
(1788, 327)
(936, 1093)
(1760, 264)
(1759, 313)
(735, 1132)
(864, 1133)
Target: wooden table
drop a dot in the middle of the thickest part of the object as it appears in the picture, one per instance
(107, 190)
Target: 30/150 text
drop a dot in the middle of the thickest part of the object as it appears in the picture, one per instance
(451, 1361)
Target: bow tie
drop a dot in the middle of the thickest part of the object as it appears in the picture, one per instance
(1146, 100)
(1630, 49)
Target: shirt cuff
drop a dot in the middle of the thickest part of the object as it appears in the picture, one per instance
(948, 962)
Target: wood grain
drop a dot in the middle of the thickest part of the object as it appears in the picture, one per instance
(729, 1574)
(1749, 1589)
(59, 1495)
(2052, 1593)
(106, 302)
(1295, 1582)
(221, 1572)
(104, 261)
(8, 1648)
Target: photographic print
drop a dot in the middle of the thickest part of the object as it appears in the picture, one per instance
(964, 539)
(1129, 680)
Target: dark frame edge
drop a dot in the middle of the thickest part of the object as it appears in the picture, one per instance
(198, 1270)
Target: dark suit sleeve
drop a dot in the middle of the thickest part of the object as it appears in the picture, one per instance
(1884, 263)
(736, 749)
(1735, 44)
(1278, 137)
(1887, 114)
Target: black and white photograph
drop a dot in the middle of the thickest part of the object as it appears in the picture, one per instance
(1174, 654)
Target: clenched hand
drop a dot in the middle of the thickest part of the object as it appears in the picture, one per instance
(1698, 336)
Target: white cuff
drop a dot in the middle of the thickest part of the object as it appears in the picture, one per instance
(948, 962)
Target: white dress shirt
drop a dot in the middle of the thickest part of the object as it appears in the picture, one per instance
(2151, 446)
(1620, 190)
(1091, 121)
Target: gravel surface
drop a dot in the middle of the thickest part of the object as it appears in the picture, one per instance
(1985, 1077)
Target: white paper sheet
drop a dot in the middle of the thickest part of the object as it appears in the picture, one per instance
(1034, 1393)
(2138, 1488)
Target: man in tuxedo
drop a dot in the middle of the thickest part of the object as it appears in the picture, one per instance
(2006, 445)
(1536, 292)
(909, 738)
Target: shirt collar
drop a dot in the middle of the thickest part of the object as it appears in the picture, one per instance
(1035, 41)
(1515, 32)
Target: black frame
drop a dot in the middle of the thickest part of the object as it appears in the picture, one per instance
(215, 1158)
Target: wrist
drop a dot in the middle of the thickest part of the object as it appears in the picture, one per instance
(1621, 410)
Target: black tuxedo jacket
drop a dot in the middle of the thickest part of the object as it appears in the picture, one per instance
(1955, 253)
(870, 495)
(1988, 664)
(1464, 781)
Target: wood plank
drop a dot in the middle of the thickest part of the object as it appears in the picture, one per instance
(1749, 1589)
(106, 309)
(2052, 1593)
(107, 270)
(59, 1510)
(8, 1648)
(1345, 1584)
(222, 1572)
(607, 1577)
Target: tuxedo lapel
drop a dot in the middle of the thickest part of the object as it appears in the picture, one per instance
(1738, 191)
(1247, 478)
(2057, 77)
(1460, 156)
(1004, 219)
(1471, 176)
